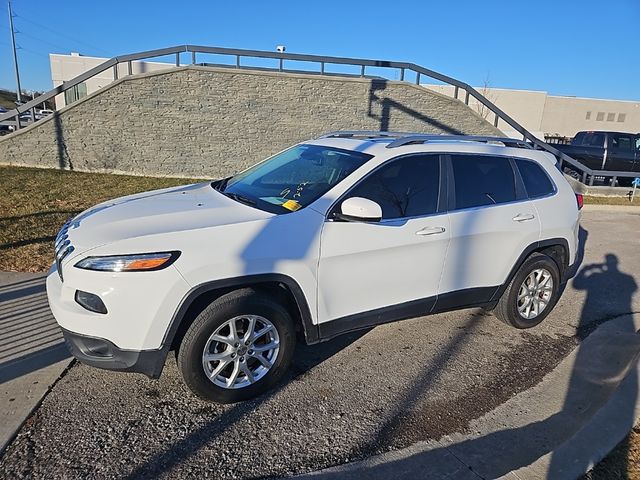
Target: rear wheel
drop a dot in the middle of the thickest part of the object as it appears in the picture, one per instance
(531, 294)
(237, 348)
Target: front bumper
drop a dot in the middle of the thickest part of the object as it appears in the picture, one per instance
(140, 305)
(101, 353)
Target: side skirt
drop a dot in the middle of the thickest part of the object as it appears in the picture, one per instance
(468, 298)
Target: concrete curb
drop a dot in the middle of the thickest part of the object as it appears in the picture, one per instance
(33, 355)
(595, 440)
(558, 429)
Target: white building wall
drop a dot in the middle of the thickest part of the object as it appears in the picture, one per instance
(568, 115)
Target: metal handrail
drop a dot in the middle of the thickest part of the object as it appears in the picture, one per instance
(403, 67)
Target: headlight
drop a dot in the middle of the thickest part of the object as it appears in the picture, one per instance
(129, 263)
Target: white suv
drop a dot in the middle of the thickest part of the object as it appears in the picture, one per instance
(347, 231)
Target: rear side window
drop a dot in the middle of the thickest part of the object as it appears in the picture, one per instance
(623, 142)
(405, 187)
(536, 181)
(482, 180)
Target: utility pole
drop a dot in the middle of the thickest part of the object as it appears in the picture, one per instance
(15, 56)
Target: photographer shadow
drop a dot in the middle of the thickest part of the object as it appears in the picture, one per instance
(603, 363)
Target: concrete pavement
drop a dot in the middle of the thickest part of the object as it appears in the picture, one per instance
(558, 429)
(32, 352)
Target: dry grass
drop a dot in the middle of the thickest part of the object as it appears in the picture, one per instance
(622, 463)
(35, 203)
(612, 200)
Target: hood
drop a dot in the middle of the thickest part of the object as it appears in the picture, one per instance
(160, 211)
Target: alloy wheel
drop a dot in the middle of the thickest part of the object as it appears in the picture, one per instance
(241, 351)
(535, 293)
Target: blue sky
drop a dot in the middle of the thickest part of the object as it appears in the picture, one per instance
(585, 48)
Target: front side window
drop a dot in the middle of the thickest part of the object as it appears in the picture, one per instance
(404, 187)
(482, 180)
(536, 181)
(595, 140)
(292, 179)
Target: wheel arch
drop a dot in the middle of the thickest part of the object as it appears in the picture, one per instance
(282, 286)
(555, 248)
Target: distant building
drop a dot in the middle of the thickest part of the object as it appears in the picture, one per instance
(553, 116)
(550, 116)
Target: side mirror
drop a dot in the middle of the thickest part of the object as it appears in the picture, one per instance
(358, 209)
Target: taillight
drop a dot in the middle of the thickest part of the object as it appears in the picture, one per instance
(580, 200)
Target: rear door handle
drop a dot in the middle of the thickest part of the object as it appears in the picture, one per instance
(430, 231)
(523, 217)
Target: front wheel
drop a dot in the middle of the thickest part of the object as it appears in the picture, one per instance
(531, 294)
(237, 348)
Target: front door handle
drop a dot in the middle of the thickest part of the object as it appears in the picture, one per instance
(523, 217)
(430, 231)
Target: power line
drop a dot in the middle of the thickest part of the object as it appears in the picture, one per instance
(20, 32)
(61, 34)
(33, 52)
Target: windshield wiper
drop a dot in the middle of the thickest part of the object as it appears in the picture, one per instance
(240, 198)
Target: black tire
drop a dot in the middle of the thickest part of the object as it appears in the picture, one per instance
(237, 303)
(507, 307)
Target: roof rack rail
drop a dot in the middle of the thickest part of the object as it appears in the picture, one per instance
(366, 134)
(504, 141)
(409, 138)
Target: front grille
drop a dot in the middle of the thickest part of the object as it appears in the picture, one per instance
(62, 247)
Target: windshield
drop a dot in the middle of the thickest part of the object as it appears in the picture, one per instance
(292, 179)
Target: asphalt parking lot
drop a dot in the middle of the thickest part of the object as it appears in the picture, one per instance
(356, 396)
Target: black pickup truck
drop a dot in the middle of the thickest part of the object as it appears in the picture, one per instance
(616, 151)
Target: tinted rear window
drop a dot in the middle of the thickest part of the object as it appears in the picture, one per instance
(482, 180)
(536, 181)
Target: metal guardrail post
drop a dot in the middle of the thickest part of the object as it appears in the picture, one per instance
(455, 92)
(129, 68)
(591, 178)
(614, 180)
(115, 71)
(584, 177)
(177, 59)
(237, 61)
(417, 78)
(466, 99)
(193, 58)
(495, 121)
(322, 68)
(280, 64)
(362, 70)
(402, 74)
(18, 124)
(33, 114)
